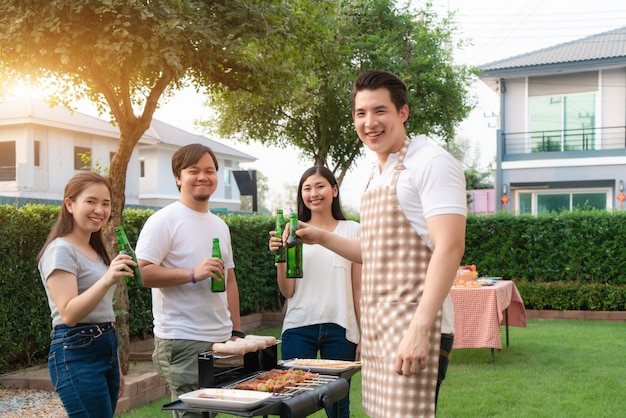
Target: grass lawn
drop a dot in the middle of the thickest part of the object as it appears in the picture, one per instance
(553, 368)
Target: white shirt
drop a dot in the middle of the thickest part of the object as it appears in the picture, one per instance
(324, 293)
(179, 237)
(433, 183)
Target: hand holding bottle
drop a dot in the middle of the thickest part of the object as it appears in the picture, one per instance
(135, 281)
(280, 252)
(121, 268)
(275, 242)
(208, 269)
(218, 283)
(294, 250)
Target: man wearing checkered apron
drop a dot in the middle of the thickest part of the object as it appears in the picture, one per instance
(412, 239)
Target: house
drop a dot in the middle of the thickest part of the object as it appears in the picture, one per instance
(482, 201)
(41, 148)
(562, 137)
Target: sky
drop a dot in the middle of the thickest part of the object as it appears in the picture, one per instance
(496, 29)
(493, 29)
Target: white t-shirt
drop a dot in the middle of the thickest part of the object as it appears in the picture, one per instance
(433, 183)
(179, 237)
(324, 293)
(61, 255)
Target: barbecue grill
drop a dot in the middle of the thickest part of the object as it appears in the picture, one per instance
(217, 370)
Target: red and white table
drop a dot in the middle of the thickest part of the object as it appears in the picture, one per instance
(480, 311)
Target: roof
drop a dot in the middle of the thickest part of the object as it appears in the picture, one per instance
(603, 49)
(175, 136)
(38, 111)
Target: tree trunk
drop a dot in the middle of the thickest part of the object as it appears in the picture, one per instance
(131, 129)
(121, 303)
(117, 177)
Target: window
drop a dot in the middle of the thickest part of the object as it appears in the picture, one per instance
(227, 172)
(37, 152)
(7, 161)
(228, 189)
(142, 168)
(80, 155)
(563, 122)
(561, 200)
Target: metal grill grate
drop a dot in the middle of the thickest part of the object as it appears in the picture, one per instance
(290, 391)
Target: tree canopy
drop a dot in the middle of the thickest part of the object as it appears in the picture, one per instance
(331, 42)
(279, 70)
(125, 55)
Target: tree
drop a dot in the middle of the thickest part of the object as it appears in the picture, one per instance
(462, 150)
(332, 42)
(125, 55)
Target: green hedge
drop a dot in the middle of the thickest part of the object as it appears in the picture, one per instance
(580, 247)
(568, 261)
(24, 310)
(572, 296)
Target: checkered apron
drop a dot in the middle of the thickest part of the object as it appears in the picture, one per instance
(394, 269)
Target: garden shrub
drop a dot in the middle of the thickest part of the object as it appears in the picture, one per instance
(566, 261)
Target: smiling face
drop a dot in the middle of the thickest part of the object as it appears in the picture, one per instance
(318, 194)
(378, 123)
(198, 182)
(90, 209)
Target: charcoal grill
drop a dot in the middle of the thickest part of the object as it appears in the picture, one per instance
(226, 371)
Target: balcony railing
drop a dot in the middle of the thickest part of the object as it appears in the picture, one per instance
(565, 140)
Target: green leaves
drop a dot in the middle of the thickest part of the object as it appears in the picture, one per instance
(571, 247)
(326, 44)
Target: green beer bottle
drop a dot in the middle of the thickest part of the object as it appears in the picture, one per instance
(294, 250)
(135, 281)
(217, 285)
(280, 256)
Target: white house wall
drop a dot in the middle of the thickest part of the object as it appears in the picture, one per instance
(516, 98)
(57, 161)
(58, 131)
(159, 187)
(573, 172)
(613, 100)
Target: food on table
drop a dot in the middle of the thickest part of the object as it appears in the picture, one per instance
(321, 363)
(229, 349)
(244, 345)
(472, 283)
(269, 339)
(276, 380)
(464, 275)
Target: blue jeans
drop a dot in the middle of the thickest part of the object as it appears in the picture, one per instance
(330, 340)
(84, 369)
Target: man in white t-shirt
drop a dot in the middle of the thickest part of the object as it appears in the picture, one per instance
(174, 251)
(413, 215)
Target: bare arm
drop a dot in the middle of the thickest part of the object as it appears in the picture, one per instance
(349, 248)
(155, 275)
(232, 295)
(447, 233)
(286, 286)
(73, 307)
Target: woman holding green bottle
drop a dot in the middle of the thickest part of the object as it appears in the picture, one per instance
(323, 306)
(79, 278)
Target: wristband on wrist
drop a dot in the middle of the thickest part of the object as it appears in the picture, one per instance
(193, 276)
(239, 334)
